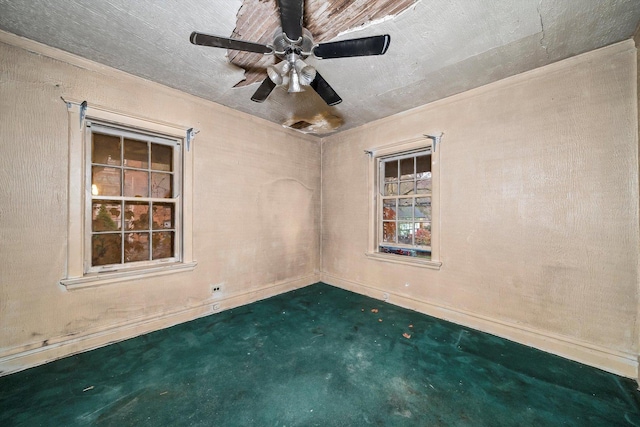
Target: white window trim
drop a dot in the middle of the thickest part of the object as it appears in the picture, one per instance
(75, 275)
(375, 156)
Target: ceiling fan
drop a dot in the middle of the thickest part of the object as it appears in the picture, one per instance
(292, 43)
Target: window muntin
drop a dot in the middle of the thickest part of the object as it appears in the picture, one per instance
(133, 202)
(404, 208)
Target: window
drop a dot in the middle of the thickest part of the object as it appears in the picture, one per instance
(135, 214)
(405, 205)
(130, 204)
(404, 208)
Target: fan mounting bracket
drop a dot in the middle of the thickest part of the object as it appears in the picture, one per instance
(283, 45)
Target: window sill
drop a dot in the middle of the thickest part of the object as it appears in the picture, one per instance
(400, 259)
(100, 279)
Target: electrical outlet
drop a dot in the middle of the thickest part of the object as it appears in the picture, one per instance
(216, 289)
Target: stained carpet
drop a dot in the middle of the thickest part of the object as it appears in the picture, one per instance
(318, 356)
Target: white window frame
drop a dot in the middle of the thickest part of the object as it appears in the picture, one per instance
(91, 127)
(79, 273)
(376, 156)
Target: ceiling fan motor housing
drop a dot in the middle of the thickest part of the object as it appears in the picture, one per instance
(282, 45)
(292, 71)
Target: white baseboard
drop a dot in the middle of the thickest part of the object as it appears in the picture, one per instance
(20, 358)
(620, 363)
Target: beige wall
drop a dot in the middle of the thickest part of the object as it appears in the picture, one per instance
(256, 209)
(539, 209)
(637, 43)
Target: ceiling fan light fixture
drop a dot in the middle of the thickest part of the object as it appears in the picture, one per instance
(278, 72)
(294, 82)
(306, 73)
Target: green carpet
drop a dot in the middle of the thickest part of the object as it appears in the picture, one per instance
(318, 356)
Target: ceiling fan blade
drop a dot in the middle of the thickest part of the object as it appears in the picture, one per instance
(375, 45)
(202, 39)
(263, 91)
(291, 18)
(326, 92)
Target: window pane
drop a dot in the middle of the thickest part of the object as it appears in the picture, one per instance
(423, 233)
(136, 183)
(424, 185)
(161, 157)
(423, 166)
(406, 188)
(391, 189)
(105, 149)
(129, 173)
(105, 181)
(405, 233)
(161, 185)
(106, 249)
(389, 209)
(389, 231)
(406, 205)
(136, 215)
(391, 171)
(423, 209)
(163, 216)
(136, 247)
(163, 244)
(405, 208)
(106, 216)
(423, 254)
(403, 251)
(406, 168)
(136, 154)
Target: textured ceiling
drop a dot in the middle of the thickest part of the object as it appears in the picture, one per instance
(438, 47)
(325, 19)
